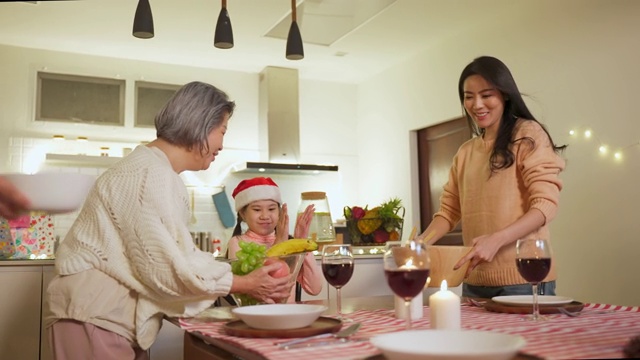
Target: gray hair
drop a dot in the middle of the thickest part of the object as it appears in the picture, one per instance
(192, 112)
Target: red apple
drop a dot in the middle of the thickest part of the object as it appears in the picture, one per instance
(380, 236)
(282, 271)
(357, 212)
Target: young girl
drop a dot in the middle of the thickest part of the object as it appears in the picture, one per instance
(258, 205)
(503, 184)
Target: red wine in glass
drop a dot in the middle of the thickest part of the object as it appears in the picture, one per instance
(534, 270)
(337, 267)
(406, 268)
(533, 260)
(337, 275)
(407, 283)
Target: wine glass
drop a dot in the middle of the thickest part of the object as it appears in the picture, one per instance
(533, 259)
(407, 269)
(337, 267)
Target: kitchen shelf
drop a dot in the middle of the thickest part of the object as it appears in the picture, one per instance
(81, 160)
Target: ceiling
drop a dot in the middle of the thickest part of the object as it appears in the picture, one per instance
(184, 31)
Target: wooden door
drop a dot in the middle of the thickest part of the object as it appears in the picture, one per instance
(437, 145)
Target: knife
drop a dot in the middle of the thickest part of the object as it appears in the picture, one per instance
(322, 343)
(340, 335)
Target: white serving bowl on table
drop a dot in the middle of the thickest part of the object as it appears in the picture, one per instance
(53, 192)
(448, 345)
(279, 316)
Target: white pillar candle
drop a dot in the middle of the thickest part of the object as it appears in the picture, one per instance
(415, 308)
(444, 308)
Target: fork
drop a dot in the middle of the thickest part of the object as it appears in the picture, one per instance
(475, 302)
(578, 313)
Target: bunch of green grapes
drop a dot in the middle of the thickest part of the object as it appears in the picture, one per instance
(250, 257)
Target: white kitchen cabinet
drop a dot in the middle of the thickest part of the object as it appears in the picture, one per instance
(367, 280)
(20, 303)
(64, 98)
(48, 273)
(168, 344)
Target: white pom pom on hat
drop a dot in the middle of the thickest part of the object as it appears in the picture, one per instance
(258, 188)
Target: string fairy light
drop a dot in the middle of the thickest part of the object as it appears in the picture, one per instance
(603, 149)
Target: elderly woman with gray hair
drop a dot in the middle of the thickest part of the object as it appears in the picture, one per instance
(129, 258)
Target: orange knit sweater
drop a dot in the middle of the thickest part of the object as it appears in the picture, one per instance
(486, 203)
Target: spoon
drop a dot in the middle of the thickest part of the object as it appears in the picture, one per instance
(339, 335)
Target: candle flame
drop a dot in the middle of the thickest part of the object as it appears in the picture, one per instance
(443, 285)
(408, 265)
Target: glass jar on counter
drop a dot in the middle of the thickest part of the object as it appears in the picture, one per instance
(321, 229)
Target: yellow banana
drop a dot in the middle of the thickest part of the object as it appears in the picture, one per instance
(292, 246)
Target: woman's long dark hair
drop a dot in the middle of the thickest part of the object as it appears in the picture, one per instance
(497, 73)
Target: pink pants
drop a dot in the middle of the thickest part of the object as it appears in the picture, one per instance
(76, 340)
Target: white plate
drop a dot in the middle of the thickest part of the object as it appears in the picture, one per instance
(528, 300)
(448, 345)
(279, 316)
(53, 192)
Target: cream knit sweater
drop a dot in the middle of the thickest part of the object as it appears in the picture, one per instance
(133, 227)
(486, 203)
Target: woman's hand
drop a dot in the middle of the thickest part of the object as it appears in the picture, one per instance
(303, 222)
(12, 201)
(485, 248)
(262, 286)
(282, 228)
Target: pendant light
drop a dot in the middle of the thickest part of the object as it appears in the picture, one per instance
(294, 40)
(223, 38)
(143, 21)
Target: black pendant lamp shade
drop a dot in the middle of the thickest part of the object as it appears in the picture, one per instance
(143, 21)
(294, 40)
(223, 38)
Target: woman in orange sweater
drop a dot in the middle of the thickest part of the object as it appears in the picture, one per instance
(503, 184)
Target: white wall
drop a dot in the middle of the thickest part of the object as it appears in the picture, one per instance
(579, 61)
(328, 113)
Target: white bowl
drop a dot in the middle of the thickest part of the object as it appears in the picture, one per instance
(279, 316)
(53, 192)
(448, 345)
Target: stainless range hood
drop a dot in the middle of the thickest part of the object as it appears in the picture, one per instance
(281, 168)
(279, 126)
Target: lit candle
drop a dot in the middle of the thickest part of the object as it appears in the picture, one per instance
(415, 309)
(444, 308)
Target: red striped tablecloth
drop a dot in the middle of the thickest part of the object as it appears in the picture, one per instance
(594, 334)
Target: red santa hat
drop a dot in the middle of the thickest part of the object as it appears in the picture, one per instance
(258, 188)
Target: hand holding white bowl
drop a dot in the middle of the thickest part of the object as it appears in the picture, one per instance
(53, 193)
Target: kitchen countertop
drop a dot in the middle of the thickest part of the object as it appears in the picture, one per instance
(361, 252)
(26, 262)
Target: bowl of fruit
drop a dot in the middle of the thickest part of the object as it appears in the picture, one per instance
(252, 256)
(375, 226)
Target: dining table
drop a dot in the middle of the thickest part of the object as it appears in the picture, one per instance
(596, 331)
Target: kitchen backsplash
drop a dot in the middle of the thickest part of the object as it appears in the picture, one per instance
(29, 155)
